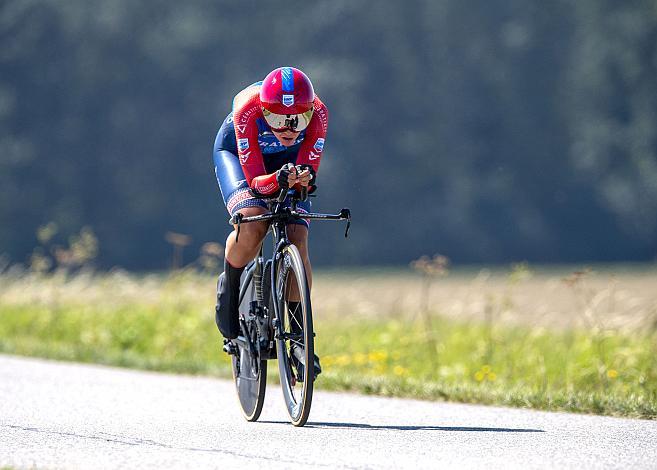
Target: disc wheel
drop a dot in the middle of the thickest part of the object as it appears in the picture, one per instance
(249, 371)
(295, 320)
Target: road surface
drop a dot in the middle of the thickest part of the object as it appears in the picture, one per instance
(64, 415)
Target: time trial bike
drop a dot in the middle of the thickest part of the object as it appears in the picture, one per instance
(275, 315)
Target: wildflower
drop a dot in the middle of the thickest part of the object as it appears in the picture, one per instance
(485, 373)
(399, 370)
(328, 360)
(343, 360)
(377, 356)
(612, 373)
(360, 359)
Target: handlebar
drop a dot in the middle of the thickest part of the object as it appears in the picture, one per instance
(283, 213)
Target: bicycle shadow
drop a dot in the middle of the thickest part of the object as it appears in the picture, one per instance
(374, 427)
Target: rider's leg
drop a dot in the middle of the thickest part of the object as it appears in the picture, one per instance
(239, 252)
(237, 198)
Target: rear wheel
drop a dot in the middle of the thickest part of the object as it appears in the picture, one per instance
(296, 325)
(249, 370)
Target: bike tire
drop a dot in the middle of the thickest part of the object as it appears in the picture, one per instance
(249, 373)
(297, 394)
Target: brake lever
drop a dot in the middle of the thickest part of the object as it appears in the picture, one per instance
(237, 220)
(346, 214)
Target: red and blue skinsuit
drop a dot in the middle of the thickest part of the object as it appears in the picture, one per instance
(247, 154)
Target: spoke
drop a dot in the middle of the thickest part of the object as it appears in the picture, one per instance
(292, 314)
(295, 314)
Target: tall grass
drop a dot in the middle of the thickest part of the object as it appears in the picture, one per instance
(492, 353)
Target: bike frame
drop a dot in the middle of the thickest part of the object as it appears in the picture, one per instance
(280, 217)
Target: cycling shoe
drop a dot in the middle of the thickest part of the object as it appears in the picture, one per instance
(297, 357)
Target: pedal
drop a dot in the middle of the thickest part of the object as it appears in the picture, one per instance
(230, 347)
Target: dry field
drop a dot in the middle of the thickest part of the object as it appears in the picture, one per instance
(620, 297)
(602, 298)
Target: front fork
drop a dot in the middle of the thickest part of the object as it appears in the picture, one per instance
(276, 296)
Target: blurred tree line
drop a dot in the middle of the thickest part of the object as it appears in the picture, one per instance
(487, 130)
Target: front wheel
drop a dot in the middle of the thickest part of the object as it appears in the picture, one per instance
(294, 331)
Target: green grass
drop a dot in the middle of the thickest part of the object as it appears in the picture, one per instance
(514, 366)
(166, 324)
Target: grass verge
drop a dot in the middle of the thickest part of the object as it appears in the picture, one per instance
(471, 362)
(169, 329)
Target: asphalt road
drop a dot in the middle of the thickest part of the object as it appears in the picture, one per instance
(62, 415)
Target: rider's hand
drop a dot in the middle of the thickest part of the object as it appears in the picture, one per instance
(305, 175)
(292, 177)
(304, 178)
(287, 176)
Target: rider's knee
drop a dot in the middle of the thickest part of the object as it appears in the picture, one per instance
(252, 234)
(298, 235)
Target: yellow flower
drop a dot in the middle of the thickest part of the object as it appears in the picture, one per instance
(479, 376)
(360, 359)
(343, 360)
(399, 370)
(485, 369)
(612, 373)
(492, 376)
(328, 360)
(377, 356)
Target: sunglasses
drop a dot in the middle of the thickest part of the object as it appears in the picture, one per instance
(284, 122)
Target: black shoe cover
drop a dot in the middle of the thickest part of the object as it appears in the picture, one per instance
(228, 292)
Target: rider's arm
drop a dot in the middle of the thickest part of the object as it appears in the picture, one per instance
(310, 151)
(246, 109)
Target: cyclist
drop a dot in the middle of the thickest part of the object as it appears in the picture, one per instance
(273, 139)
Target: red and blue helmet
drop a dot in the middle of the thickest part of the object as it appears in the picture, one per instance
(287, 96)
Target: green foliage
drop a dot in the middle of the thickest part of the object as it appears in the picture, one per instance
(529, 367)
(166, 323)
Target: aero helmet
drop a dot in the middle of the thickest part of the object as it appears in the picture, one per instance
(287, 98)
